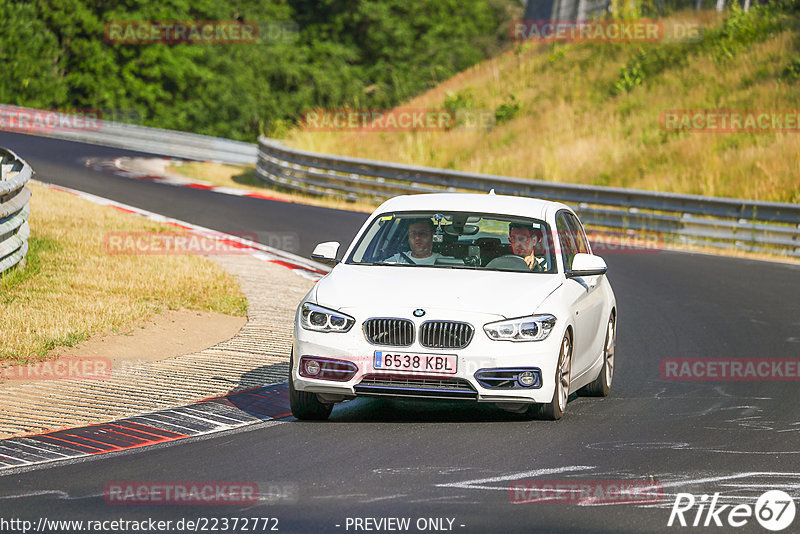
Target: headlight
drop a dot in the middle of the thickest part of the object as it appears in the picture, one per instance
(533, 328)
(313, 317)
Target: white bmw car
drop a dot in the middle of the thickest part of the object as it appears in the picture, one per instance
(470, 297)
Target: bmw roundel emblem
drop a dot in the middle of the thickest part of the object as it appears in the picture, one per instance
(419, 312)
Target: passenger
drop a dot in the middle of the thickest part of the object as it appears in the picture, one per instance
(420, 242)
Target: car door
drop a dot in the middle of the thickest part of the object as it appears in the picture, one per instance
(583, 294)
(597, 301)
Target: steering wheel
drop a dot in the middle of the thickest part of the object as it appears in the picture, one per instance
(472, 261)
(512, 262)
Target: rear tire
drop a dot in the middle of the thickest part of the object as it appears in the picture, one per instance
(306, 406)
(601, 386)
(554, 410)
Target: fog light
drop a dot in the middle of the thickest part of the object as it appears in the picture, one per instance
(526, 379)
(312, 367)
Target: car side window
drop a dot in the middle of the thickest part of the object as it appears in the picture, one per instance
(578, 233)
(396, 238)
(569, 245)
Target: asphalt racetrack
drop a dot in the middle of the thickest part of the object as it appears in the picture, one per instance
(450, 467)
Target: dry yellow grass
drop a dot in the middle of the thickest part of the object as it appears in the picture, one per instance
(570, 128)
(244, 177)
(72, 288)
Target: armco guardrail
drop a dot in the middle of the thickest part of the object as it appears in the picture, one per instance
(14, 209)
(685, 219)
(128, 136)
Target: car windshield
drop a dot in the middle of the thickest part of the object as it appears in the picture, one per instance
(457, 240)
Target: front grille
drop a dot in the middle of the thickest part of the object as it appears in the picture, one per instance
(443, 388)
(445, 334)
(416, 381)
(391, 332)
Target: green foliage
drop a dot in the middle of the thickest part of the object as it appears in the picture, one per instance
(464, 99)
(648, 62)
(626, 9)
(507, 110)
(39, 249)
(357, 53)
(740, 30)
(28, 49)
(463, 107)
(632, 74)
(791, 73)
(557, 53)
(602, 179)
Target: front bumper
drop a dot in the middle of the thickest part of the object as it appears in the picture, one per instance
(482, 357)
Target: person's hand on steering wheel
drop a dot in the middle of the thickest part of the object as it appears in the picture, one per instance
(532, 263)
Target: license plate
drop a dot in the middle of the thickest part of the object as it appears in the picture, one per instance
(414, 362)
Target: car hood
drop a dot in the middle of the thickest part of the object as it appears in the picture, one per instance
(367, 287)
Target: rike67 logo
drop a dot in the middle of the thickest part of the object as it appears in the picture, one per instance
(774, 510)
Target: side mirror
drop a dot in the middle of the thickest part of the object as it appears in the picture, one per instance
(326, 252)
(587, 265)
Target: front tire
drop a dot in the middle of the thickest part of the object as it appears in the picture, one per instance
(554, 410)
(306, 406)
(601, 386)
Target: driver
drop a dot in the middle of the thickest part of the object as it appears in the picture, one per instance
(525, 240)
(420, 242)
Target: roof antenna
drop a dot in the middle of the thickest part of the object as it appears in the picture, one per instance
(491, 191)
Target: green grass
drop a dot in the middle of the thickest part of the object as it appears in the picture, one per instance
(39, 250)
(71, 287)
(590, 113)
